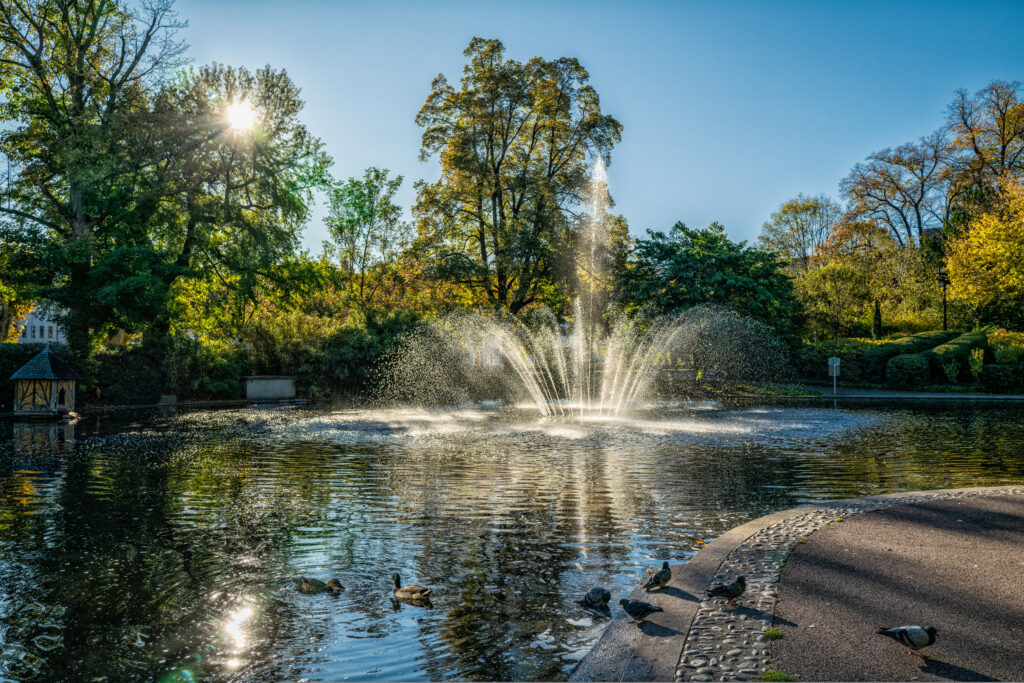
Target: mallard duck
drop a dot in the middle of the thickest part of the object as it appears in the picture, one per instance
(660, 578)
(411, 592)
(307, 585)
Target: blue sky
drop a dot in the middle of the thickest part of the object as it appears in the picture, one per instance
(728, 108)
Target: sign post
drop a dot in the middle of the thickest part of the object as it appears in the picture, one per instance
(833, 371)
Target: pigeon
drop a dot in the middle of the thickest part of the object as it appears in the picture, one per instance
(638, 609)
(596, 598)
(911, 636)
(731, 591)
(660, 578)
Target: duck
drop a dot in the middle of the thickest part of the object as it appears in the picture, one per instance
(660, 578)
(308, 585)
(411, 592)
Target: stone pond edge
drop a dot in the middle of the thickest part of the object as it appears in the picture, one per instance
(696, 640)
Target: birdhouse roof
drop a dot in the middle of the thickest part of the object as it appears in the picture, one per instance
(46, 365)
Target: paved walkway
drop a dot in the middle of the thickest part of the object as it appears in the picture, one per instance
(956, 564)
(844, 392)
(834, 605)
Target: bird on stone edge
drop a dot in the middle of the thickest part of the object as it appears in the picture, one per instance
(730, 591)
(912, 636)
(660, 578)
(638, 609)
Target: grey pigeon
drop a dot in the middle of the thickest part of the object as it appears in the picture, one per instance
(730, 591)
(638, 609)
(911, 636)
(660, 578)
(596, 598)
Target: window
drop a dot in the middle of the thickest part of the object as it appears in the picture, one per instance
(42, 329)
(24, 332)
(33, 331)
(49, 332)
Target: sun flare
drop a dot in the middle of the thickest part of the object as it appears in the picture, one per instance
(241, 115)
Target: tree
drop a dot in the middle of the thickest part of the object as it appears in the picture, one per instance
(369, 235)
(798, 229)
(988, 133)
(986, 270)
(77, 75)
(684, 268)
(834, 297)
(906, 190)
(513, 141)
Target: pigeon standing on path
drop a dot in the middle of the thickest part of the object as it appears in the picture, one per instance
(660, 578)
(638, 609)
(911, 636)
(730, 591)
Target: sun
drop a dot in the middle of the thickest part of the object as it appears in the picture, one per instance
(241, 115)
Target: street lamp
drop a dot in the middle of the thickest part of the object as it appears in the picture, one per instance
(944, 281)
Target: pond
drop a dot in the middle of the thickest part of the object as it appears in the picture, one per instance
(166, 546)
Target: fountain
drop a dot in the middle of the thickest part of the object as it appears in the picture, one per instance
(604, 363)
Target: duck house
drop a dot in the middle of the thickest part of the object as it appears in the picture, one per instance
(44, 386)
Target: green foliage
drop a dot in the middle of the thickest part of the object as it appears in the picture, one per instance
(773, 674)
(948, 360)
(1003, 378)
(799, 228)
(811, 359)
(909, 370)
(1007, 347)
(877, 357)
(834, 297)
(514, 142)
(976, 363)
(672, 272)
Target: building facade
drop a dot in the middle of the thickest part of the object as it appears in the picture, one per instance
(39, 327)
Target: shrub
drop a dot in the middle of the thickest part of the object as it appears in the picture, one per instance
(811, 360)
(948, 360)
(976, 363)
(1003, 378)
(1007, 347)
(876, 359)
(910, 370)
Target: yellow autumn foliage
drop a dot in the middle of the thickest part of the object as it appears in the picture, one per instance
(986, 264)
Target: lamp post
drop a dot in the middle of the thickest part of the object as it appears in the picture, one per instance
(944, 281)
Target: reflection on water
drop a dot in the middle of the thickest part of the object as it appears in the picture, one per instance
(167, 546)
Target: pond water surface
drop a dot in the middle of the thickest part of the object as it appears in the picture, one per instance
(165, 546)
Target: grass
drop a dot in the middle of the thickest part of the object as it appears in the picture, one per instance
(773, 634)
(838, 519)
(775, 675)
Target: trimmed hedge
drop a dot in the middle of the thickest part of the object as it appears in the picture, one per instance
(1003, 377)
(909, 370)
(876, 359)
(954, 353)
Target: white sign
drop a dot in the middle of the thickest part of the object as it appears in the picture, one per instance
(833, 366)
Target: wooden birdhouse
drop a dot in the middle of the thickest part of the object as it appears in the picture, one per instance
(44, 386)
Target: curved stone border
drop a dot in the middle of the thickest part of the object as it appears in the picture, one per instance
(698, 640)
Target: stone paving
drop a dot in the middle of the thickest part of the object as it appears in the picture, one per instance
(728, 644)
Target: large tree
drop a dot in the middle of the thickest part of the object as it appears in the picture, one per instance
(799, 228)
(906, 190)
(368, 234)
(514, 142)
(684, 268)
(76, 76)
(988, 133)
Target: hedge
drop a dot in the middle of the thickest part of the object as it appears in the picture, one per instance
(954, 353)
(908, 370)
(1003, 378)
(877, 358)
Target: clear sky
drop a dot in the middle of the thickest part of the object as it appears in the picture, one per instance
(728, 108)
